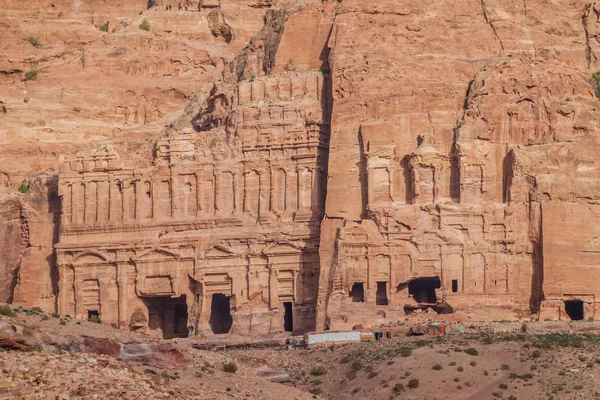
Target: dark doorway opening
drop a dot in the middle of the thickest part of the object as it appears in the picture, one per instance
(288, 318)
(381, 295)
(574, 309)
(454, 285)
(423, 289)
(181, 319)
(358, 292)
(169, 315)
(94, 316)
(220, 314)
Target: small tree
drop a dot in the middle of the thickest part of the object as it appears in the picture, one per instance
(31, 75)
(595, 82)
(35, 41)
(104, 27)
(24, 188)
(145, 25)
(230, 367)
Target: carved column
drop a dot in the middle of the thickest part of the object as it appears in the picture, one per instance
(273, 288)
(103, 201)
(292, 188)
(127, 200)
(314, 188)
(199, 190)
(217, 198)
(140, 195)
(90, 202)
(237, 194)
(264, 192)
(77, 203)
(177, 188)
(65, 192)
(115, 204)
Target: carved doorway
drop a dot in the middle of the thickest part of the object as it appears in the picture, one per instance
(358, 292)
(381, 294)
(169, 315)
(423, 289)
(288, 317)
(574, 309)
(220, 314)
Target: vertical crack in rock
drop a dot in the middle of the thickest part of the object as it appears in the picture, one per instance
(491, 24)
(585, 20)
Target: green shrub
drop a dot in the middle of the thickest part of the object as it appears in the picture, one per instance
(472, 363)
(372, 374)
(45, 317)
(405, 351)
(471, 351)
(150, 371)
(104, 27)
(230, 367)
(24, 188)
(7, 311)
(316, 391)
(504, 367)
(31, 75)
(318, 371)
(145, 25)
(413, 383)
(356, 366)
(398, 387)
(595, 82)
(63, 322)
(55, 315)
(460, 369)
(436, 367)
(503, 386)
(35, 41)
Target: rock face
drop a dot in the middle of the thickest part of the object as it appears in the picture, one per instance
(355, 162)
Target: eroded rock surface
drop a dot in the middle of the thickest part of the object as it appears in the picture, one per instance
(353, 163)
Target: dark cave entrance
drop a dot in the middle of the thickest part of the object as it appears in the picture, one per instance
(423, 289)
(93, 315)
(574, 309)
(288, 318)
(358, 292)
(170, 315)
(220, 314)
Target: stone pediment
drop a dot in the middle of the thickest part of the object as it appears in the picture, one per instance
(156, 254)
(90, 258)
(219, 251)
(282, 248)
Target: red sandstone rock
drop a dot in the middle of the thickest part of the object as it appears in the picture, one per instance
(355, 162)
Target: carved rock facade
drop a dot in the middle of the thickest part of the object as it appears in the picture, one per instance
(327, 183)
(225, 219)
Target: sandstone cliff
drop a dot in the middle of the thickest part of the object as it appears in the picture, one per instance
(353, 162)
